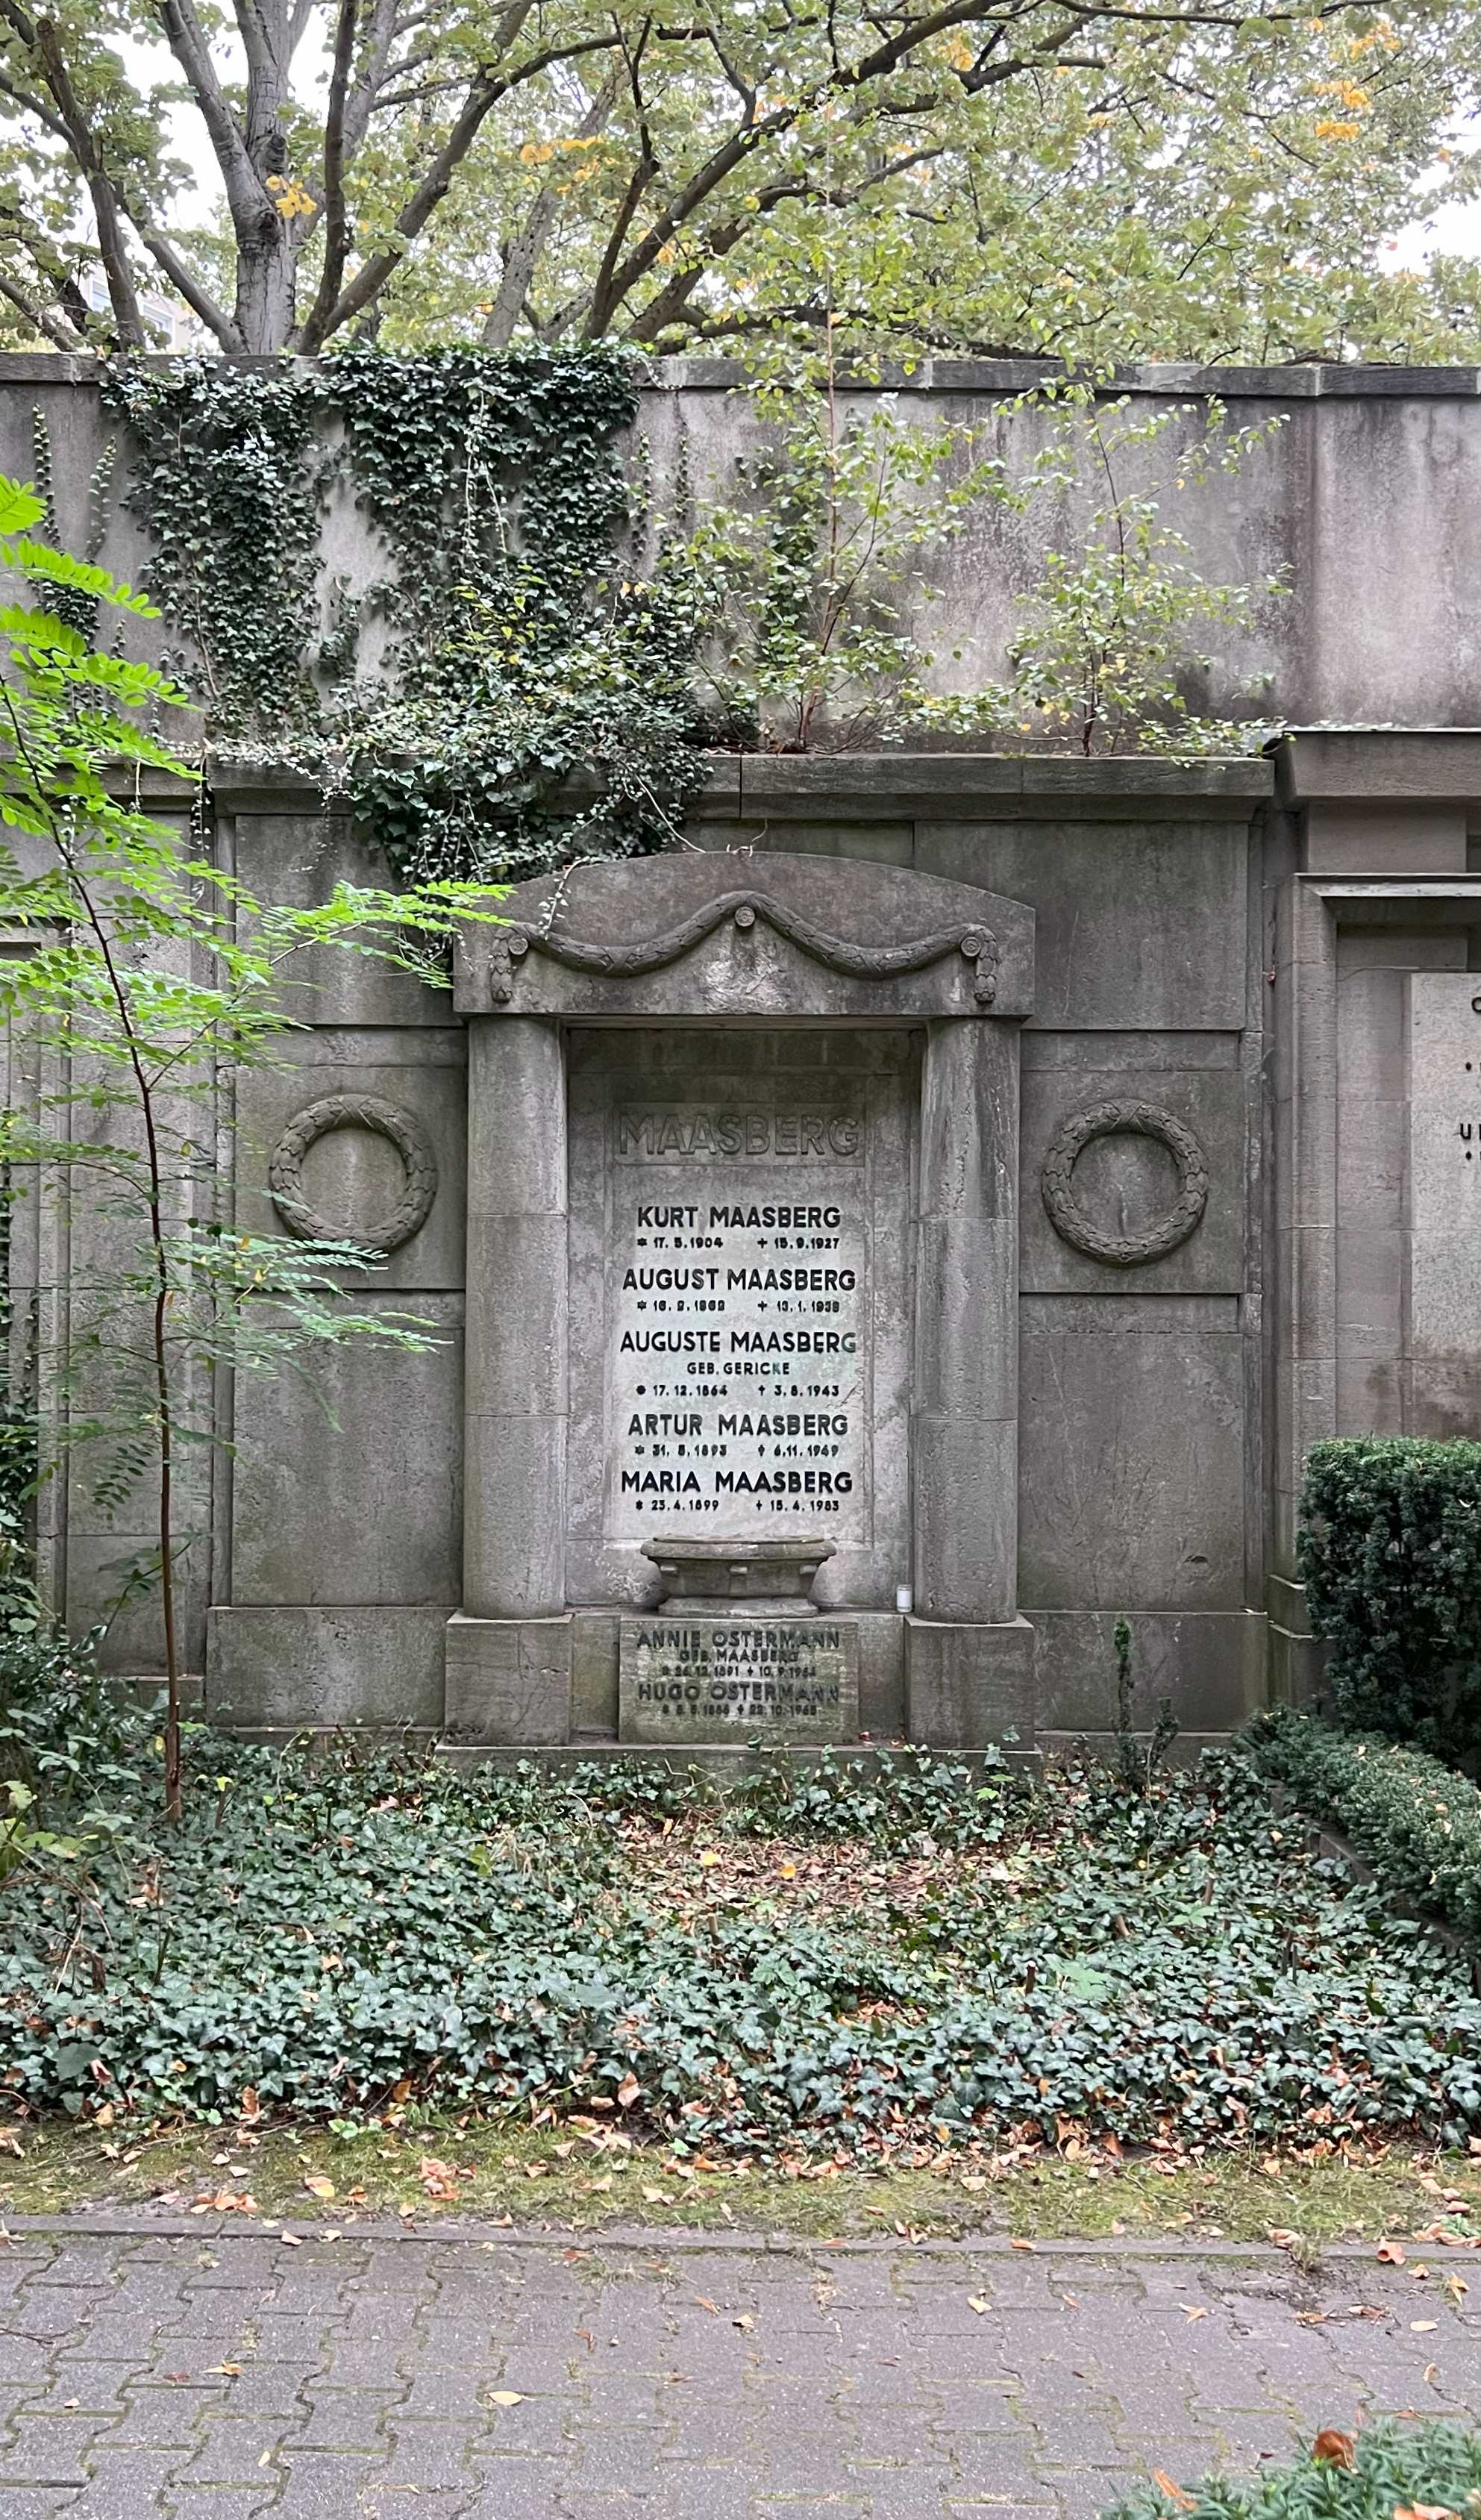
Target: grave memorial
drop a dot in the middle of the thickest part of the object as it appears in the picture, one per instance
(765, 1119)
(873, 1247)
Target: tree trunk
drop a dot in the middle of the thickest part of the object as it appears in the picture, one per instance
(267, 260)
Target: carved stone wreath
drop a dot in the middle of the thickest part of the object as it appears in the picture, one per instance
(284, 1170)
(1144, 1120)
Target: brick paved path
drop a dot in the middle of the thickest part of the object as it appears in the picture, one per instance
(195, 2375)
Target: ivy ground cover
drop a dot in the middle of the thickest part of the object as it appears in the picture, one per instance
(857, 1969)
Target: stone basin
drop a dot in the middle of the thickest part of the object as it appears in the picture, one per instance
(741, 1575)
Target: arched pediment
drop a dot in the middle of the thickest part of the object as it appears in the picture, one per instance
(728, 935)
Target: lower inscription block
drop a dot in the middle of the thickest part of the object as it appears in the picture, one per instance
(738, 1680)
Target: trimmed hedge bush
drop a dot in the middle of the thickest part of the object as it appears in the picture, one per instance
(1418, 1823)
(1386, 2471)
(1390, 1554)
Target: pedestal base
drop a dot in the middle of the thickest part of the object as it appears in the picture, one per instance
(965, 1688)
(509, 1679)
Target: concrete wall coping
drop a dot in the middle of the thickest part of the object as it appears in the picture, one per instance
(1313, 380)
(865, 786)
(1377, 764)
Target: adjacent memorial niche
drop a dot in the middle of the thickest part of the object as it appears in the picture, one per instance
(737, 1650)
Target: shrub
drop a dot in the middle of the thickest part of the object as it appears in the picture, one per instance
(1388, 2470)
(1390, 1554)
(1418, 1823)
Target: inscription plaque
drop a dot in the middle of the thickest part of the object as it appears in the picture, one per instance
(740, 1326)
(741, 1301)
(707, 1679)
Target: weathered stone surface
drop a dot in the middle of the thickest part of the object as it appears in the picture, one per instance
(964, 1421)
(1132, 1450)
(274, 1668)
(515, 1437)
(711, 935)
(1126, 1181)
(1137, 925)
(509, 1679)
(1445, 1167)
(741, 1679)
(353, 1176)
(346, 1484)
(968, 1685)
(1210, 1664)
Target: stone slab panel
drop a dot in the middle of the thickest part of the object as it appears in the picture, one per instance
(509, 1679)
(964, 1489)
(297, 859)
(594, 1671)
(352, 1177)
(1134, 927)
(347, 1480)
(966, 1687)
(1210, 1664)
(514, 1554)
(1124, 1182)
(712, 1680)
(325, 1667)
(1132, 1452)
(1444, 1167)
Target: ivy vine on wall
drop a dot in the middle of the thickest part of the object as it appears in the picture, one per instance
(536, 696)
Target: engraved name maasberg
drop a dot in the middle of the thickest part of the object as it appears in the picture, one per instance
(671, 1130)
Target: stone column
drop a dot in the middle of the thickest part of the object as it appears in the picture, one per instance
(509, 1652)
(970, 1659)
(514, 1547)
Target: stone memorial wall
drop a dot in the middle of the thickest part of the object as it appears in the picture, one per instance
(979, 1179)
(950, 1194)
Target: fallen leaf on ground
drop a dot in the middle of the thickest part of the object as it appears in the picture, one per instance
(1390, 2254)
(627, 2091)
(978, 2301)
(1188, 2310)
(223, 2370)
(320, 2186)
(1174, 2493)
(1020, 2244)
(507, 2397)
(1333, 2448)
(1423, 2327)
(290, 2239)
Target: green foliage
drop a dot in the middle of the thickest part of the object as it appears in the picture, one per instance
(1104, 659)
(1390, 1554)
(1380, 2471)
(532, 654)
(1099, 184)
(544, 706)
(811, 646)
(851, 1966)
(152, 971)
(227, 484)
(1418, 1821)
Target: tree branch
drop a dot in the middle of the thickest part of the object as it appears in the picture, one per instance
(45, 324)
(484, 94)
(528, 245)
(337, 231)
